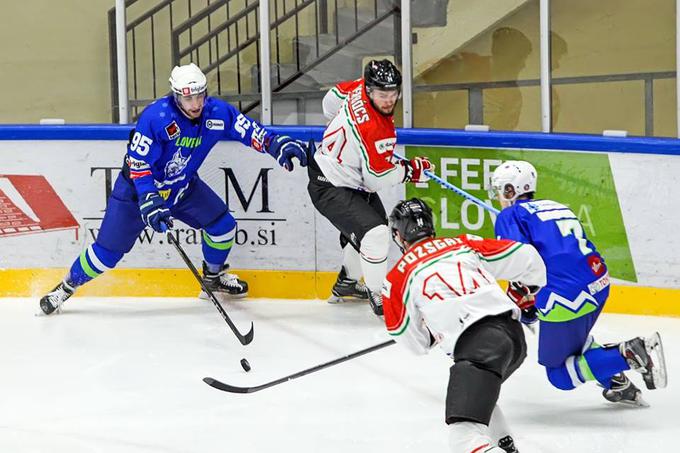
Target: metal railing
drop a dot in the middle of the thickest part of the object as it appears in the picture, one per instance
(476, 90)
(148, 33)
(222, 37)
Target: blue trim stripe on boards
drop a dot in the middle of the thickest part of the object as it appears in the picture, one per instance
(423, 137)
(67, 132)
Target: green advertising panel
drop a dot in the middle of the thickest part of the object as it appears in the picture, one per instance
(582, 181)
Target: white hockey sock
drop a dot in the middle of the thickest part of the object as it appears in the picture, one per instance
(498, 426)
(374, 247)
(351, 261)
(468, 437)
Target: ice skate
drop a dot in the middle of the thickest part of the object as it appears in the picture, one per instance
(375, 301)
(223, 283)
(645, 355)
(347, 290)
(53, 300)
(623, 391)
(508, 445)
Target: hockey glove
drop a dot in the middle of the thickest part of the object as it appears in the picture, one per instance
(415, 169)
(522, 295)
(529, 315)
(284, 149)
(154, 212)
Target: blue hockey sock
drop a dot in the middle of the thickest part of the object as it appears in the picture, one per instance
(601, 364)
(93, 262)
(217, 241)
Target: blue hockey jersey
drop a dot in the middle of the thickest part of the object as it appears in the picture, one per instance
(577, 273)
(167, 148)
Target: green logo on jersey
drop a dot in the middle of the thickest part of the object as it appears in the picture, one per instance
(188, 142)
(582, 181)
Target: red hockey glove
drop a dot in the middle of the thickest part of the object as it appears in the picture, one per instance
(415, 169)
(522, 295)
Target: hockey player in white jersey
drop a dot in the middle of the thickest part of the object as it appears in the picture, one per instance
(443, 291)
(354, 162)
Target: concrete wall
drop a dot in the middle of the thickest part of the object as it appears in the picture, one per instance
(54, 61)
(590, 38)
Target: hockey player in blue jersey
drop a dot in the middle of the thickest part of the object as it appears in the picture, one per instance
(576, 292)
(159, 181)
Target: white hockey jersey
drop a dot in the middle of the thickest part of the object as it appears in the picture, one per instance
(442, 286)
(358, 144)
(334, 98)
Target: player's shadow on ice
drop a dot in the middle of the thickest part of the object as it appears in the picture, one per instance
(583, 415)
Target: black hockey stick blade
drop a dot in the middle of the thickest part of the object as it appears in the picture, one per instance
(244, 339)
(234, 389)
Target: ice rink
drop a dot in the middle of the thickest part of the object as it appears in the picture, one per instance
(125, 375)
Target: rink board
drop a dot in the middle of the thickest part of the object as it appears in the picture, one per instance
(286, 250)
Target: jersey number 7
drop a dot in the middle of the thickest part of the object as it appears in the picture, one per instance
(573, 226)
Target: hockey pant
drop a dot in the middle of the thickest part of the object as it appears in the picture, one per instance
(485, 355)
(570, 356)
(200, 208)
(361, 219)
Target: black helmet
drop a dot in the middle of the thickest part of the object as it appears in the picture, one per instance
(382, 74)
(413, 220)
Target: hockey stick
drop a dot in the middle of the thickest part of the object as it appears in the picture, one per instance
(244, 339)
(234, 389)
(455, 189)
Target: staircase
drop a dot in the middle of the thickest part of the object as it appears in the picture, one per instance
(314, 44)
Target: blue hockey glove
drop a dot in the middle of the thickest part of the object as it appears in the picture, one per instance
(284, 149)
(529, 315)
(154, 212)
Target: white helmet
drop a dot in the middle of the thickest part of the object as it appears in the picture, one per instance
(512, 179)
(188, 80)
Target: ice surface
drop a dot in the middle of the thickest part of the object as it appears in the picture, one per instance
(124, 375)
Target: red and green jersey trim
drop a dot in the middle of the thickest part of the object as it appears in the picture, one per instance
(511, 248)
(407, 280)
(364, 147)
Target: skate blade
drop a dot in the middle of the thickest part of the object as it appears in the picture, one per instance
(638, 402)
(222, 296)
(654, 347)
(42, 314)
(344, 299)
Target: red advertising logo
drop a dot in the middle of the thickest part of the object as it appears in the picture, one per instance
(28, 204)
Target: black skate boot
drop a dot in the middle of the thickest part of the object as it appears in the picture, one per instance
(54, 299)
(223, 283)
(375, 301)
(347, 289)
(645, 355)
(508, 444)
(623, 391)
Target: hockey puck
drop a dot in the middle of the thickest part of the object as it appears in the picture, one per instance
(245, 365)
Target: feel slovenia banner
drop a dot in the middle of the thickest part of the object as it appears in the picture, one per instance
(582, 181)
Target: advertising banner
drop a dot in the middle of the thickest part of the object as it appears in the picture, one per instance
(610, 193)
(46, 187)
(53, 195)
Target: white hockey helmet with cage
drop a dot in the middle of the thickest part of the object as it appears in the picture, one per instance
(512, 179)
(188, 80)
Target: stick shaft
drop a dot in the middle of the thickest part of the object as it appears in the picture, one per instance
(234, 389)
(457, 190)
(243, 339)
